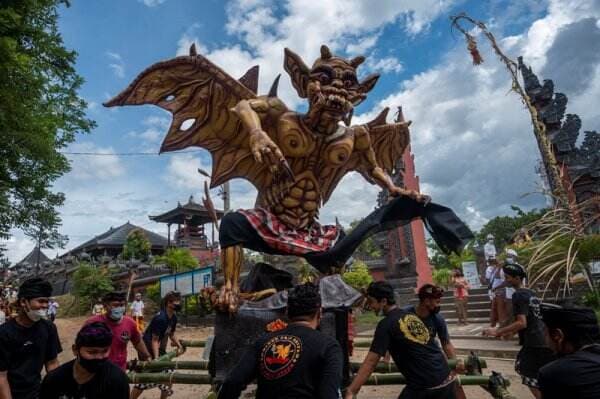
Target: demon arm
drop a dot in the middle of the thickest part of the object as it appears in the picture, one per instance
(368, 164)
(253, 113)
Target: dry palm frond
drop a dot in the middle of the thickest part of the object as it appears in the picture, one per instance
(558, 250)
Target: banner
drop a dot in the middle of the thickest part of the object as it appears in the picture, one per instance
(471, 274)
(187, 283)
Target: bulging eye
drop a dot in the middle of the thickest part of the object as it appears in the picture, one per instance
(348, 83)
(323, 78)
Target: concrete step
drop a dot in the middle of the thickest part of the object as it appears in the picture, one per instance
(449, 299)
(474, 320)
(470, 305)
(471, 313)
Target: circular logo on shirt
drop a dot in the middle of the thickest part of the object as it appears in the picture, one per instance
(414, 329)
(125, 337)
(279, 356)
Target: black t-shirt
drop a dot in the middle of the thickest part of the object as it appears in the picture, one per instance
(525, 302)
(162, 327)
(296, 362)
(574, 376)
(108, 383)
(23, 353)
(411, 343)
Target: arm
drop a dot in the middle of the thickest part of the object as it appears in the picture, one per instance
(175, 342)
(331, 378)
(366, 369)
(241, 375)
(4, 386)
(155, 346)
(142, 351)
(51, 365)
(519, 324)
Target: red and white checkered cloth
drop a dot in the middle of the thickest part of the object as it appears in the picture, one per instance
(278, 235)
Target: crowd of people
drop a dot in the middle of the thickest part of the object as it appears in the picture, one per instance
(560, 352)
(29, 342)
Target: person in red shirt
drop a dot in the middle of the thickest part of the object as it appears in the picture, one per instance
(461, 295)
(123, 328)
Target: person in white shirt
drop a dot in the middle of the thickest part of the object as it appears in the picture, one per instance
(497, 290)
(137, 312)
(52, 309)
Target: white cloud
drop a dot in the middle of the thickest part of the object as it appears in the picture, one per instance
(152, 3)
(101, 167)
(303, 27)
(117, 66)
(156, 126)
(182, 172)
(385, 65)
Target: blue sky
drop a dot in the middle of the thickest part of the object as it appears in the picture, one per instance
(473, 146)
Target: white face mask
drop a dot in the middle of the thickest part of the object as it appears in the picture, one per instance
(37, 315)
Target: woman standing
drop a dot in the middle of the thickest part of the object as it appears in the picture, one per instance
(461, 295)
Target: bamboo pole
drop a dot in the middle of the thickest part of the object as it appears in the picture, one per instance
(387, 368)
(192, 343)
(168, 378)
(167, 356)
(172, 365)
(205, 379)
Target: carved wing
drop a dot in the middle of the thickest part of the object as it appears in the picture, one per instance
(200, 95)
(388, 140)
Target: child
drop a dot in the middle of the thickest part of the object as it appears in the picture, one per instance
(461, 295)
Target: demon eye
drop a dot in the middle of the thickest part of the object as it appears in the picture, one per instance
(324, 78)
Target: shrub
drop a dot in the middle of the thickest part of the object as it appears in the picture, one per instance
(442, 277)
(358, 277)
(90, 284)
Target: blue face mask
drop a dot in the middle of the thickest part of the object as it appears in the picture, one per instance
(117, 314)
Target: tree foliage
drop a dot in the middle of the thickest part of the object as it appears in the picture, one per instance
(178, 260)
(90, 284)
(137, 245)
(503, 228)
(40, 113)
(368, 247)
(358, 277)
(306, 273)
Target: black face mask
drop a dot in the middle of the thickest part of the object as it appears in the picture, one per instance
(177, 307)
(436, 309)
(92, 365)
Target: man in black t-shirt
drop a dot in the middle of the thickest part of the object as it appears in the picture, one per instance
(528, 323)
(159, 331)
(574, 335)
(409, 336)
(28, 342)
(90, 375)
(296, 362)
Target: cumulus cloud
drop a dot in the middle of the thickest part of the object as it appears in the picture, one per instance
(385, 65)
(104, 166)
(352, 26)
(153, 132)
(152, 3)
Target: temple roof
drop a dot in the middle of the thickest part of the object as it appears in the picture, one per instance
(31, 258)
(191, 213)
(116, 237)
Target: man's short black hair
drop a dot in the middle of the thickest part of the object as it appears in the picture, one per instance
(430, 291)
(381, 290)
(514, 270)
(579, 325)
(95, 335)
(114, 296)
(35, 287)
(303, 300)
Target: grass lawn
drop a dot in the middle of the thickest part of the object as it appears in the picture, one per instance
(366, 321)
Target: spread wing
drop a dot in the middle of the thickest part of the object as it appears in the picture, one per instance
(200, 95)
(388, 140)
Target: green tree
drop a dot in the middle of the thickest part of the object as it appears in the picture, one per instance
(40, 110)
(358, 277)
(368, 247)
(43, 228)
(503, 228)
(90, 284)
(137, 245)
(306, 273)
(178, 260)
(437, 258)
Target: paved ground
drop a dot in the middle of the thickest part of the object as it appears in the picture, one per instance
(69, 327)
